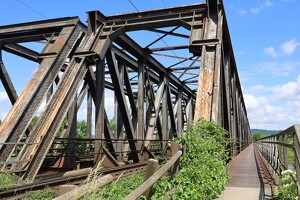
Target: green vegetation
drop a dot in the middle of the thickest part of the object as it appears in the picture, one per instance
(6, 181)
(34, 121)
(203, 174)
(257, 136)
(112, 124)
(202, 171)
(118, 189)
(46, 194)
(288, 186)
(290, 151)
(265, 132)
(81, 133)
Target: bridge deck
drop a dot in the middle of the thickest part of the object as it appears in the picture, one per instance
(249, 177)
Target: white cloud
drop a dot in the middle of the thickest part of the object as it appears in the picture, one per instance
(255, 10)
(4, 104)
(289, 91)
(253, 103)
(289, 47)
(109, 103)
(286, 1)
(243, 12)
(270, 51)
(275, 68)
(3, 96)
(42, 107)
(276, 109)
(256, 88)
(268, 3)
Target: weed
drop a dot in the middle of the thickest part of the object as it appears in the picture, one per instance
(118, 189)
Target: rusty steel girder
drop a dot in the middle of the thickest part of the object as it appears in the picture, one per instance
(154, 103)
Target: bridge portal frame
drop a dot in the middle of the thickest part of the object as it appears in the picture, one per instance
(101, 57)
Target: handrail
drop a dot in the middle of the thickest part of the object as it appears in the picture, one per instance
(155, 177)
(275, 149)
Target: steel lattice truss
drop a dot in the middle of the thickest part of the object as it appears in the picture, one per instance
(153, 102)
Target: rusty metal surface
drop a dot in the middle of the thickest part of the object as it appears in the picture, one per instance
(248, 170)
(243, 170)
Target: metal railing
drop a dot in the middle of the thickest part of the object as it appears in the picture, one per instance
(282, 151)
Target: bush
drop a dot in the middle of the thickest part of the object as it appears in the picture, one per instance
(203, 174)
(288, 186)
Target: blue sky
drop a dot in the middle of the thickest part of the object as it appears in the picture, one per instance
(265, 35)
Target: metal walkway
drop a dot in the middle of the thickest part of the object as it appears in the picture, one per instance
(249, 177)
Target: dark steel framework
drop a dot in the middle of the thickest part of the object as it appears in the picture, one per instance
(153, 102)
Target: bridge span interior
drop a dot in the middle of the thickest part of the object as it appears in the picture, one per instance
(162, 69)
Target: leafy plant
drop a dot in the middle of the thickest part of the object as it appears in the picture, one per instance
(203, 174)
(288, 186)
(6, 180)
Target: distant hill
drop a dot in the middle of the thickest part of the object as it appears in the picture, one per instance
(265, 132)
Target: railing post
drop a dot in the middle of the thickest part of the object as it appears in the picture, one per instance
(280, 158)
(297, 150)
(150, 170)
(174, 148)
(175, 167)
(285, 156)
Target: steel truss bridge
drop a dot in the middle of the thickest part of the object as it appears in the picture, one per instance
(154, 102)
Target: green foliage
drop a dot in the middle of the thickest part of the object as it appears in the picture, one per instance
(203, 174)
(257, 136)
(6, 180)
(46, 194)
(81, 133)
(62, 127)
(118, 189)
(34, 121)
(288, 186)
(112, 124)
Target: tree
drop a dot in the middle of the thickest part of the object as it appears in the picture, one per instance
(112, 124)
(34, 121)
(81, 133)
(257, 136)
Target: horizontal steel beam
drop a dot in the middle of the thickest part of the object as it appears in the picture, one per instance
(21, 51)
(157, 12)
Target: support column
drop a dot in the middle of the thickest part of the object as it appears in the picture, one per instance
(99, 106)
(207, 102)
(165, 120)
(141, 97)
(70, 158)
(89, 118)
(179, 113)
